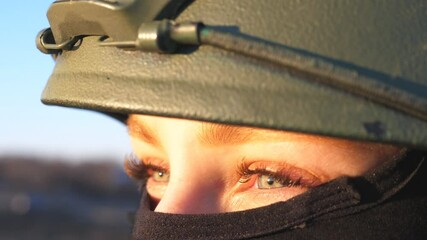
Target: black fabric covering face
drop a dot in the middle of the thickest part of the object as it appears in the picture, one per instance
(389, 202)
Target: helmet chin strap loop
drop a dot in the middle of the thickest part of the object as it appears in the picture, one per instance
(46, 44)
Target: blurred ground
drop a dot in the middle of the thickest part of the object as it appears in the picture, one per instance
(57, 200)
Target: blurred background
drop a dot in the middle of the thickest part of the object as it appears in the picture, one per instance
(61, 174)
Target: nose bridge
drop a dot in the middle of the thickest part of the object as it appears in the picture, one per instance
(194, 186)
(189, 196)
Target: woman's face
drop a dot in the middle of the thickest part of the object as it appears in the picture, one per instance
(197, 167)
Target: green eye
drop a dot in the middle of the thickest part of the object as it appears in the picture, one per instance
(160, 176)
(267, 182)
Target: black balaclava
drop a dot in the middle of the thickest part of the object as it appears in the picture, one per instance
(389, 202)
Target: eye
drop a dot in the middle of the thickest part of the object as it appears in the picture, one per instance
(268, 182)
(159, 175)
(271, 175)
(139, 170)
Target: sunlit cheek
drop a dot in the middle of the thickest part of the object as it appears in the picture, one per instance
(155, 191)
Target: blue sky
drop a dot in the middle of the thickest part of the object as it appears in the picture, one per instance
(27, 127)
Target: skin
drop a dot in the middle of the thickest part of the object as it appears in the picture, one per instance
(195, 167)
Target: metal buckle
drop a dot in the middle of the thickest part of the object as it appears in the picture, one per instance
(46, 43)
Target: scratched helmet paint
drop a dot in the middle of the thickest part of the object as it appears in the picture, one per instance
(351, 69)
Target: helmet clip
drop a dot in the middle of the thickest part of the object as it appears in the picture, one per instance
(161, 36)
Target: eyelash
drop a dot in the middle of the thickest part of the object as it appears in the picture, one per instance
(286, 175)
(282, 176)
(139, 170)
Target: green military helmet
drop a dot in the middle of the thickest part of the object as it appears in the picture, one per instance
(343, 68)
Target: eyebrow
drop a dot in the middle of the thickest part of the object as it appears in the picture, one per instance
(215, 134)
(219, 134)
(142, 131)
(210, 134)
